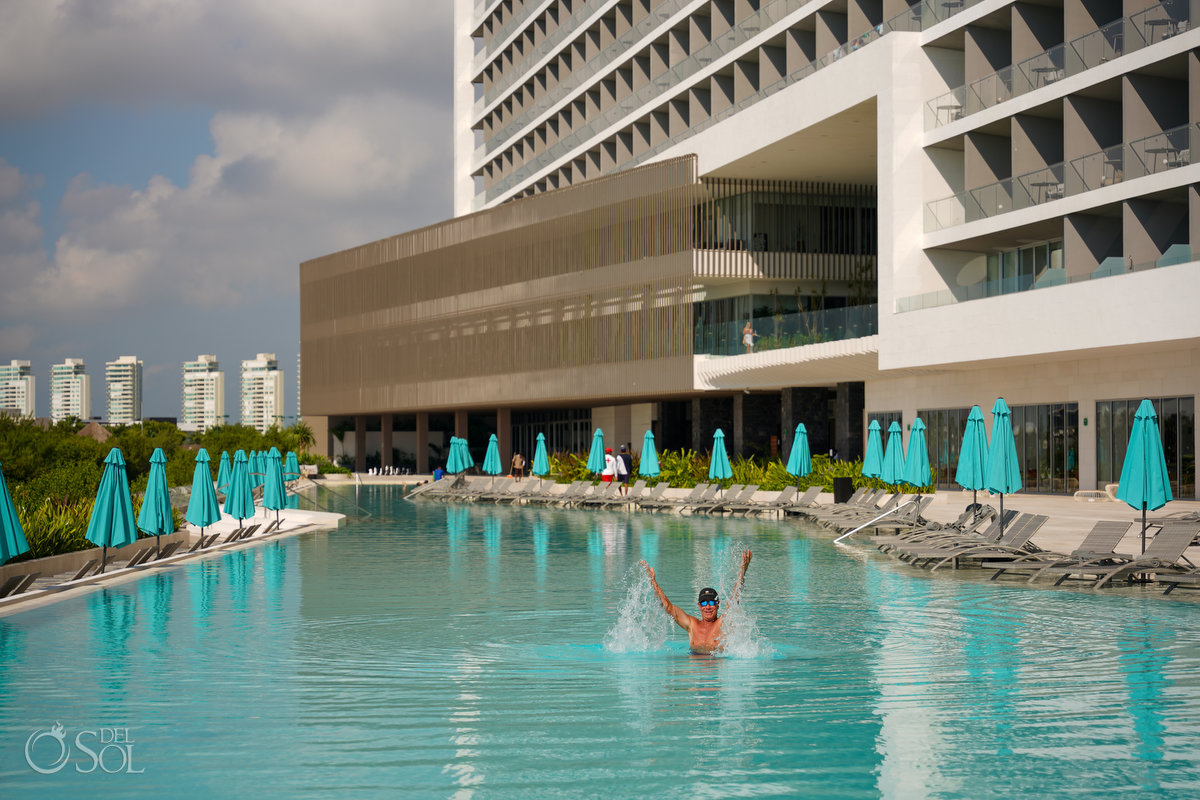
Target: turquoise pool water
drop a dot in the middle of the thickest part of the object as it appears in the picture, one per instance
(440, 651)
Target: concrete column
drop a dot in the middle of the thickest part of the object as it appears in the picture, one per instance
(504, 437)
(460, 424)
(809, 405)
(385, 440)
(708, 414)
(737, 437)
(360, 443)
(851, 401)
(422, 442)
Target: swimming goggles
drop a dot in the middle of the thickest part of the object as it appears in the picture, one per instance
(707, 603)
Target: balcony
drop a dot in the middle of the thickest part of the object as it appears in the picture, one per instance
(1150, 155)
(1054, 276)
(1143, 29)
(787, 330)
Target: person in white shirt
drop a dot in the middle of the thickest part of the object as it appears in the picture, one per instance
(610, 466)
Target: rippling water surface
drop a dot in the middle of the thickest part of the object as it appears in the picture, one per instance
(442, 651)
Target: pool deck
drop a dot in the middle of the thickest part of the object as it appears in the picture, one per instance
(53, 588)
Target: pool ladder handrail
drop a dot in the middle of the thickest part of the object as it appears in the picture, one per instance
(890, 511)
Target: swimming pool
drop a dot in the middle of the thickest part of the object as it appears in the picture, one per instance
(446, 651)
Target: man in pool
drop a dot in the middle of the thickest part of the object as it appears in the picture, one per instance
(704, 634)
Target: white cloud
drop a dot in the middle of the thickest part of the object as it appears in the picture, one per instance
(329, 135)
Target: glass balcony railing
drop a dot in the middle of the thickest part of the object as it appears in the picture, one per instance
(1154, 24)
(1052, 276)
(787, 330)
(1149, 155)
(518, 20)
(767, 15)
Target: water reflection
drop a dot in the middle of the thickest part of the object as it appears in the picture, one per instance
(491, 541)
(1144, 656)
(541, 544)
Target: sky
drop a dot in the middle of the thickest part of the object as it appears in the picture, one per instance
(165, 166)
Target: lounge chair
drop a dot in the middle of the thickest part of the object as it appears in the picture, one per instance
(1189, 579)
(785, 498)
(1100, 543)
(574, 491)
(601, 495)
(731, 498)
(138, 557)
(1164, 554)
(84, 570)
(652, 496)
(665, 502)
(941, 541)
(1015, 543)
(521, 490)
(637, 490)
(806, 500)
(907, 514)
(168, 551)
(248, 532)
(862, 499)
(847, 518)
(501, 488)
(706, 497)
(717, 499)
(18, 584)
(967, 524)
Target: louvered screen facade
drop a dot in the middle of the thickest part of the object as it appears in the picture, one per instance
(581, 295)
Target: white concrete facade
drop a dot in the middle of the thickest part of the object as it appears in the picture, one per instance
(888, 95)
(70, 390)
(262, 392)
(123, 390)
(203, 405)
(18, 395)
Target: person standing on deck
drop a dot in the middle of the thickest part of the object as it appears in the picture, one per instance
(704, 634)
(610, 466)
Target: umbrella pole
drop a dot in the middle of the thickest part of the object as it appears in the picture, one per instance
(975, 503)
(1143, 526)
(103, 558)
(1002, 515)
(157, 546)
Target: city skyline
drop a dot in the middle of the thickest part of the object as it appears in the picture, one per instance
(163, 177)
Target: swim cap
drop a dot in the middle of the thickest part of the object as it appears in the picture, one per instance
(707, 594)
(608, 449)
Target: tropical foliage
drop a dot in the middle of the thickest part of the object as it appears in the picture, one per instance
(53, 473)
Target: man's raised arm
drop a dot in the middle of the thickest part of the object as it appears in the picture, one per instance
(681, 618)
(741, 579)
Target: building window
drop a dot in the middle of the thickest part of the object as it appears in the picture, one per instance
(567, 431)
(1176, 425)
(1017, 270)
(943, 437)
(1047, 437)
(885, 420)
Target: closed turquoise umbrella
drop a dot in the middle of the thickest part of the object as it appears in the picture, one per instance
(916, 460)
(1144, 482)
(203, 509)
(595, 462)
(799, 460)
(649, 464)
(155, 516)
(239, 499)
(1004, 470)
(291, 467)
(718, 466)
(893, 456)
(541, 462)
(111, 524)
(465, 459)
(12, 535)
(224, 471)
(452, 456)
(491, 458)
(973, 457)
(257, 469)
(274, 492)
(873, 461)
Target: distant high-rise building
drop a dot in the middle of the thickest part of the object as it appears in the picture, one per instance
(262, 392)
(70, 390)
(298, 386)
(17, 384)
(203, 394)
(123, 379)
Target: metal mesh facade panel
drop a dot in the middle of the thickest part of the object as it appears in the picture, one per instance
(578, 295)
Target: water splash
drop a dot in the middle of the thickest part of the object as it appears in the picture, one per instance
(740, 637)
(642, 625)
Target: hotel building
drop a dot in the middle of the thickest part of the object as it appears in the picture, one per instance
(262, 392)
(203, 394)
(70, 391)
(18, 396)
(690, 214)
(123, 379)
